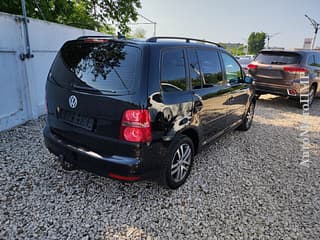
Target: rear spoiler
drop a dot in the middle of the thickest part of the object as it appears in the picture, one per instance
(97, 37)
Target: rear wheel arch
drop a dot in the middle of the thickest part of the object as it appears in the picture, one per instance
(194, 136)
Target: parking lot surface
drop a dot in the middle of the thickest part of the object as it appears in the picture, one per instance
(246, 185)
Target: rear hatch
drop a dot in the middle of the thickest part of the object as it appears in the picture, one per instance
(90, 84)
(276, 67)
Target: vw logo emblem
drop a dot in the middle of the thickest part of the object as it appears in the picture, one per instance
(73, 101)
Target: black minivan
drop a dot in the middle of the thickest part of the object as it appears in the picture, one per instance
(132, 109)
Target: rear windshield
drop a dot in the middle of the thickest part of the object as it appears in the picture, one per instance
(244, 61)
(109, 67)
(278, 58)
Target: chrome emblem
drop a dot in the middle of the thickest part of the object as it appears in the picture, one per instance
(73, 101)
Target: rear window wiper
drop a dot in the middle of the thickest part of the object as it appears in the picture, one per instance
(93, 89)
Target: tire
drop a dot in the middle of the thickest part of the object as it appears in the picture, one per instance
(248, 118)
(312, 94)
(178, 162)
(258, 96)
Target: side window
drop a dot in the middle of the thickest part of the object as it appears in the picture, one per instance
(195, 74)
(233, 70)
(317, 60)
(173, 71)
(210, 67)
(311, 61)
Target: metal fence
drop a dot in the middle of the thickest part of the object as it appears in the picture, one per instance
(22, 82)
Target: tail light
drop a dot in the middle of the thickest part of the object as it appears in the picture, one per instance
(252, 66)
(136, 126)
(295, 69)
(292, 92)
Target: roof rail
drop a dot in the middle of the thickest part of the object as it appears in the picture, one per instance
(102, 36)
(154, 39)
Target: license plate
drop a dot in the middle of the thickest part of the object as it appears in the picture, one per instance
(76, 119)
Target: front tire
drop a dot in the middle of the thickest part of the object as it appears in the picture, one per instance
(247, 121)
(178, 162)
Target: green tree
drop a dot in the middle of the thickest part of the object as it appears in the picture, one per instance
(91, 14)
(256, 42)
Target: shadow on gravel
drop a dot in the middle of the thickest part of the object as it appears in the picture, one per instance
(288, 105)
(272, 101)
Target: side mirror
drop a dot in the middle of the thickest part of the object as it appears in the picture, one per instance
(248, 79)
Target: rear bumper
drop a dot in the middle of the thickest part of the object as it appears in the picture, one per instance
(131, 168)
(284, 90)
(260, 89)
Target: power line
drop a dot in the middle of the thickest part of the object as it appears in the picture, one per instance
(269, 36)
(148, 22)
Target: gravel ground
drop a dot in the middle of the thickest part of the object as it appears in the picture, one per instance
(246, 185)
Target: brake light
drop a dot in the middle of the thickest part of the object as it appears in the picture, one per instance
(136, 126)
(252, 66)
(295, 69)
(292, 92)
(95, 40)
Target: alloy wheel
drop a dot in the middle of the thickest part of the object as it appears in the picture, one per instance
(181, 162)
(311, 95)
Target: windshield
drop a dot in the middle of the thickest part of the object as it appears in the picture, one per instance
(110, 66)
(244, 61)
(278, 58)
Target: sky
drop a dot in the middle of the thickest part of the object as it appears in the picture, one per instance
(232, 21)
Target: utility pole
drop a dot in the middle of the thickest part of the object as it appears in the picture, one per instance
(23, 56)
(270, 36)
(316, 27)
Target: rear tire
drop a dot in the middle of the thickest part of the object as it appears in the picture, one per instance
(312, 95)
(178, 163)
(247, 121)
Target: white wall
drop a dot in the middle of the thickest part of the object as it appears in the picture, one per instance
(22, 83)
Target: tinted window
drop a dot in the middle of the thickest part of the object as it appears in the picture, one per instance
(173, 71)
(106, 67)
(210, 67)
(233, 70)
(317, 58)
(278, 58)
(194, 68)
(311, 61)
